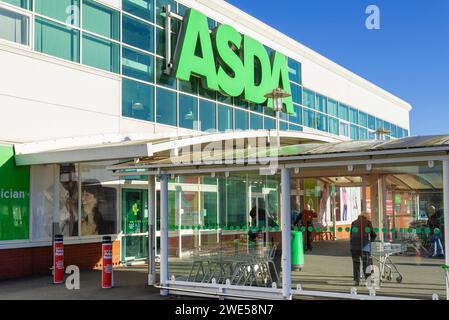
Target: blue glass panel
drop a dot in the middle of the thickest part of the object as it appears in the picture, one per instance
(321, 103)
(322, 122)
(334, 126)
(294, 70)
(225, 118)
(137, 100)
(371, 122)
(256, 122)
(343, 112)
(166, 107)
(137, 65)
(208, 116)
(269, 123)
(241, 119)
(137, 33)
(140, 8)
(363, 119)
(188, 112)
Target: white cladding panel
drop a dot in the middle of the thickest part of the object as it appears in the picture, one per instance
(46, 100)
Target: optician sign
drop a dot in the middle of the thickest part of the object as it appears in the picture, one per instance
(227, 61)
(14, 197)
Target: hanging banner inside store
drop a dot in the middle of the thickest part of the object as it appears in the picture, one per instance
(227, 61)
(14, 197)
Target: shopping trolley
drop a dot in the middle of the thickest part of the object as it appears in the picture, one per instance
(382, 252)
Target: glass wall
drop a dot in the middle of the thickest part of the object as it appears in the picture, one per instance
(389, 229)
(225, 228)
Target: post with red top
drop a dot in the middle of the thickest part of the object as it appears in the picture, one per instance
(58, 259)
(107, 272)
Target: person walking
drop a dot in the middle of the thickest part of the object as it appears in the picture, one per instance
(362, 234)
(434, 223)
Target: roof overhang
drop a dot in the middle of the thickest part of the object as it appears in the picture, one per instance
(125, 147)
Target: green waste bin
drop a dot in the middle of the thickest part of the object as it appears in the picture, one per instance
(297, 251)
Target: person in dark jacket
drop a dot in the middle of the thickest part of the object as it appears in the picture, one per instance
(434, 223)
(305, 219)
(362, 234)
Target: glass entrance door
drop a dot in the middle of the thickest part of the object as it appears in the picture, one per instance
(134, 224)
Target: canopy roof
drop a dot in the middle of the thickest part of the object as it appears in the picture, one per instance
(217, 155)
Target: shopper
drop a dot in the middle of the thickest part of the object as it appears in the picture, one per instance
(434, 223)
(362, 234)
(305, 219)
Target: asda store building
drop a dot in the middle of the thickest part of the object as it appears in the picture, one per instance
(91, 89)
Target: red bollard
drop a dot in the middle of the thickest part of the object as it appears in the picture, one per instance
(107, 272)
(58, 259)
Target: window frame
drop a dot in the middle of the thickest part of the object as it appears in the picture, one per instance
(30, 29)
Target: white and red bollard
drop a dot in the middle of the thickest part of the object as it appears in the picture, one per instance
(107, 271)
(58, 259)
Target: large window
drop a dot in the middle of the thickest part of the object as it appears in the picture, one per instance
(57, 40)
(363, 134)
(343, 111)
(137, 33)
(294, 70)
(100, 53)
(140, 8)
(321, 103)
(25, 4)
(161, 77)
(137, 65)
(241, 119)
(371, 122)
(309, 118)
(353, 115)
(101, 20)
(322, 122)
(309, 98)
(137, 100)
(225, 118)
(332, 107)
(296, 93)
(207, 115)
(297, 118)
(354, 132)
(188, 112)
(14, 27)
(65, 11)
(363, 119)
(166, 107)
(333, 126)
(98, 200)
(269, 123)
(344, 129)
(256, 122)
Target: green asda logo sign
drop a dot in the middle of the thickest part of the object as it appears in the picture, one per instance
(227, 61)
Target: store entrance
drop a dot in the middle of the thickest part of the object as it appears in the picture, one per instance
(134, 225)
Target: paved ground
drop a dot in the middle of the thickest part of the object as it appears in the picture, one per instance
(129, 284)
(327, 268)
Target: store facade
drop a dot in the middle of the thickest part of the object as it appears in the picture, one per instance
(93, 84)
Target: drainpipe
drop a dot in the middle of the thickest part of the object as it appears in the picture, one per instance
(286, 235)
(164, 234)
(151, 230)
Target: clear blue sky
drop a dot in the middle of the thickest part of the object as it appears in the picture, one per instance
(408, 56)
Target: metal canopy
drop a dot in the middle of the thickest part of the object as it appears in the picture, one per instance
(306, 152)
(142, 146)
